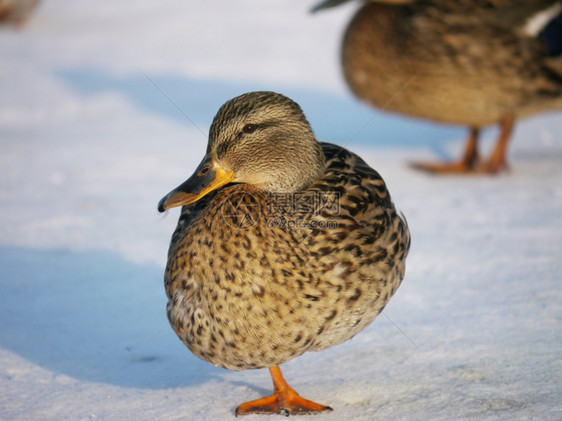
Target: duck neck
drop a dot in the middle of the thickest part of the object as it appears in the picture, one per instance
(304, 167)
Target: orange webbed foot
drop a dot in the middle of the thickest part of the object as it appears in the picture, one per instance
(460, 167)
(285, 400)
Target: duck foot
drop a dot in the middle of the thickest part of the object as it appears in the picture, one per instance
(285, 400)
(471, 162)
(468, 164)
(460, 167)
(497, 161)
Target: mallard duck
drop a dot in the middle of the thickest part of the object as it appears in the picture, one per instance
(16, 12)
(284, 245)
(474, 63)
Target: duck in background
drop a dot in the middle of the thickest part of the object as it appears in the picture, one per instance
(284, 245)
(16, 12)
(469, 62)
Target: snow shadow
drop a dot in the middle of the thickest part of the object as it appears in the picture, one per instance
(93, 316)
(336, 119)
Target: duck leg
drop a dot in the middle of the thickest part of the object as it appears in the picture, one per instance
(467, 164)
(497, 161)
(285, 400)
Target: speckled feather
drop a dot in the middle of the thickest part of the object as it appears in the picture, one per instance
(245, 293)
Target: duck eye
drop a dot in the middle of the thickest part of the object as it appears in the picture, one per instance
(249, 128)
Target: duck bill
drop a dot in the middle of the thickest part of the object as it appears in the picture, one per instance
(208, 176)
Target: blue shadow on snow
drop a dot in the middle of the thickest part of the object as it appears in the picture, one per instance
(93, 316)
(334, 118)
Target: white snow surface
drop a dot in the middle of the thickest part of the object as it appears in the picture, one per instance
(104, 107)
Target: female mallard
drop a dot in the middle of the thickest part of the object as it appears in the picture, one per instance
(463, 62)
(284, 245)
(16, 12)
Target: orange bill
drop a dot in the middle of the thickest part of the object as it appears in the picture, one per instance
(208, 176)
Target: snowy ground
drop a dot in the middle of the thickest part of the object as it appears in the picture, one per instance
(89, 144)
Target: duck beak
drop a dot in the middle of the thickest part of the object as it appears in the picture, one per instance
(208, 176)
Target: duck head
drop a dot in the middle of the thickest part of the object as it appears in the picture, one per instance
(259, 138)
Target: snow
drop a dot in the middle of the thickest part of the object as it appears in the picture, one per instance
(95, 128)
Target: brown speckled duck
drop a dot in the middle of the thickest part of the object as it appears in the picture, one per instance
(284, 245)
(470, 62)
(16, 12)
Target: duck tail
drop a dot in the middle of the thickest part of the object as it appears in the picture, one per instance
(551, 33)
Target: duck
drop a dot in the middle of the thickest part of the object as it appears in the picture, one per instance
(472, 63)
(284, 245)
(16, 12)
